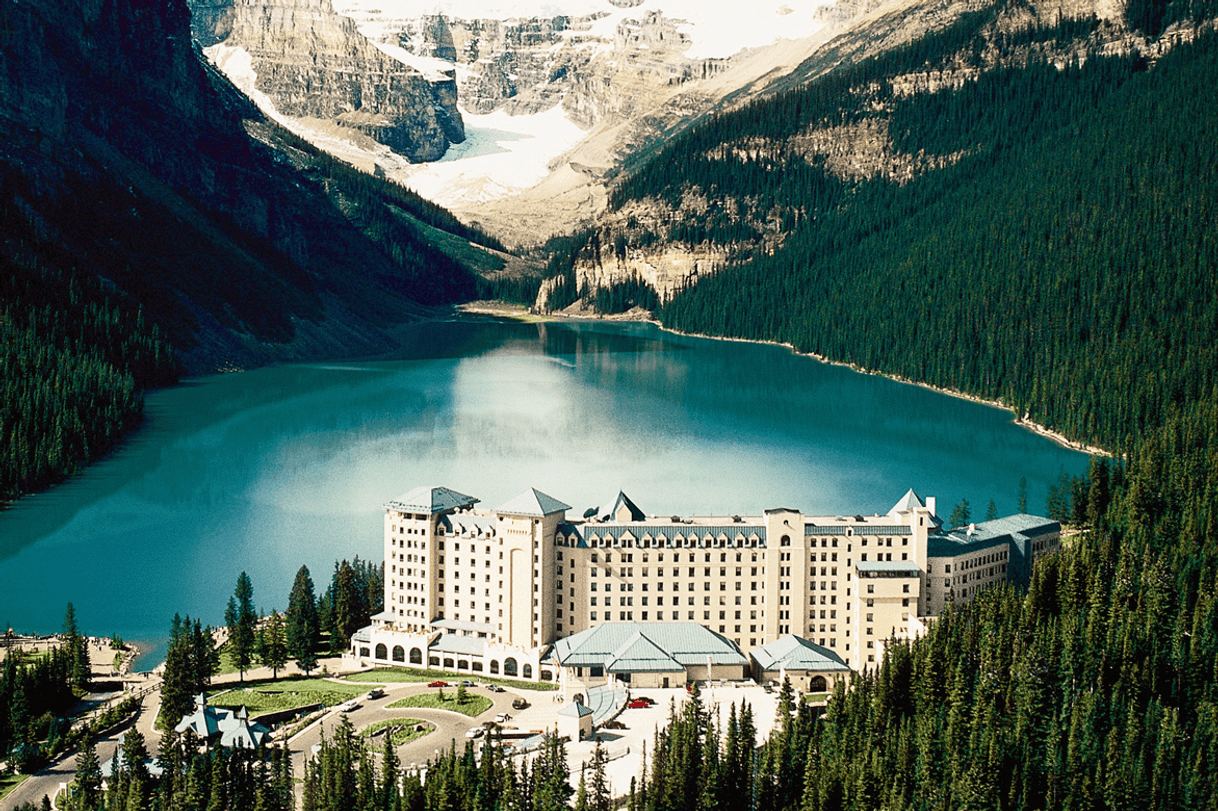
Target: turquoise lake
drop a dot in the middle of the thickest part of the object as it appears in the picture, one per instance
(266, 470)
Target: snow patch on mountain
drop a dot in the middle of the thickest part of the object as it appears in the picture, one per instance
(501, 156)
(716, 28)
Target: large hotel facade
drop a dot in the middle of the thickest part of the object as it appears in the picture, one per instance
(490, 592)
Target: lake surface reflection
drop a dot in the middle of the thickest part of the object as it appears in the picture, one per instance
(266, 470)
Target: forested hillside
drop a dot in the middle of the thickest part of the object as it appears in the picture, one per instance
(152, 222)
(1050, 243)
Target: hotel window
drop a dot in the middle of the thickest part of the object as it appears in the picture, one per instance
(592, 616)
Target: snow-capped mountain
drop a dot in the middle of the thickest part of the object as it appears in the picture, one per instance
(552, 95)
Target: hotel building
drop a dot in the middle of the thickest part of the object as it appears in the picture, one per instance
(492, 591)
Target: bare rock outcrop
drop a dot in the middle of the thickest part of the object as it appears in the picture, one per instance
(314, 63)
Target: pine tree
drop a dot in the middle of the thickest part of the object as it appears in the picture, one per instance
(1023, 495)
(991, 511)
(241, 619)
(303, 626)
(273, 645)
(961, 514)
(88, 793)
(78, 649)
(599, 795)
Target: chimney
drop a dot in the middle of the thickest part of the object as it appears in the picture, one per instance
(972, 529)
(930, 505)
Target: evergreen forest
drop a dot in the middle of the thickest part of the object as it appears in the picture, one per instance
(1060, 256)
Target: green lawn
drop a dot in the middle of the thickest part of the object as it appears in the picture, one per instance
(405, 730)
(268, 696)
(9, 782)
(810, 698)
(401, 674)
(474, 705)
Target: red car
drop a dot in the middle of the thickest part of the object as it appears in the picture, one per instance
(438, 684)
(639, 704)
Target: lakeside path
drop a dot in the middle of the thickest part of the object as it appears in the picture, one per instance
(50, 779)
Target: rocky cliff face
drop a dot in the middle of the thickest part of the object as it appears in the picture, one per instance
(313, 63)
(528, 65)
(126, 156)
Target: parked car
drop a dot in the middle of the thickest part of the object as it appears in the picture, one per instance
(438, 684)
(467, 683)
(519, 704)
(494, 688)
(638, 704)
(475, 732)
(375, 693)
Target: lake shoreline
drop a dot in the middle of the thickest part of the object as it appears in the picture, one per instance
(525, 315)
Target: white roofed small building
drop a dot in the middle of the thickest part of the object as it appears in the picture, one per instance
(575, 720)
(223, 726)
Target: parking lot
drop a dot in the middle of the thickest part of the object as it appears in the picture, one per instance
(623, 746)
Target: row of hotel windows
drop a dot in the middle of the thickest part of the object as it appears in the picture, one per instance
(647, 542)
(971, 563)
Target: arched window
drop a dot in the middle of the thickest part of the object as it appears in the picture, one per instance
(818, 685)
(416, 656)
(399, 654)
(478, 666)
(381, 651)
(509, 666)
(433, 661)
(462, 664)
(528, 671)
(448, 663)
(495, 666)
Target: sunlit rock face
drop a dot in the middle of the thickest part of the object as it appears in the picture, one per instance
(313, 63)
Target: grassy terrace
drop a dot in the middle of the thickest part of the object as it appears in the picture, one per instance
(268, 696)
(401, 674)
(474, 705)
(404, 730)
(8, 782)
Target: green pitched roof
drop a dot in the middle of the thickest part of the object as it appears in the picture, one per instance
(576, 709)
(533, 503)
(638, 654)
(620, 645)
(795, 653)
(431, 500)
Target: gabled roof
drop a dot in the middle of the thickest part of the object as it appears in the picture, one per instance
(795, 653)
(620, 645)
(908, 502)
(533, 503)
(609, 509)
(639, 654)
(431, 500)
(233, 728)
